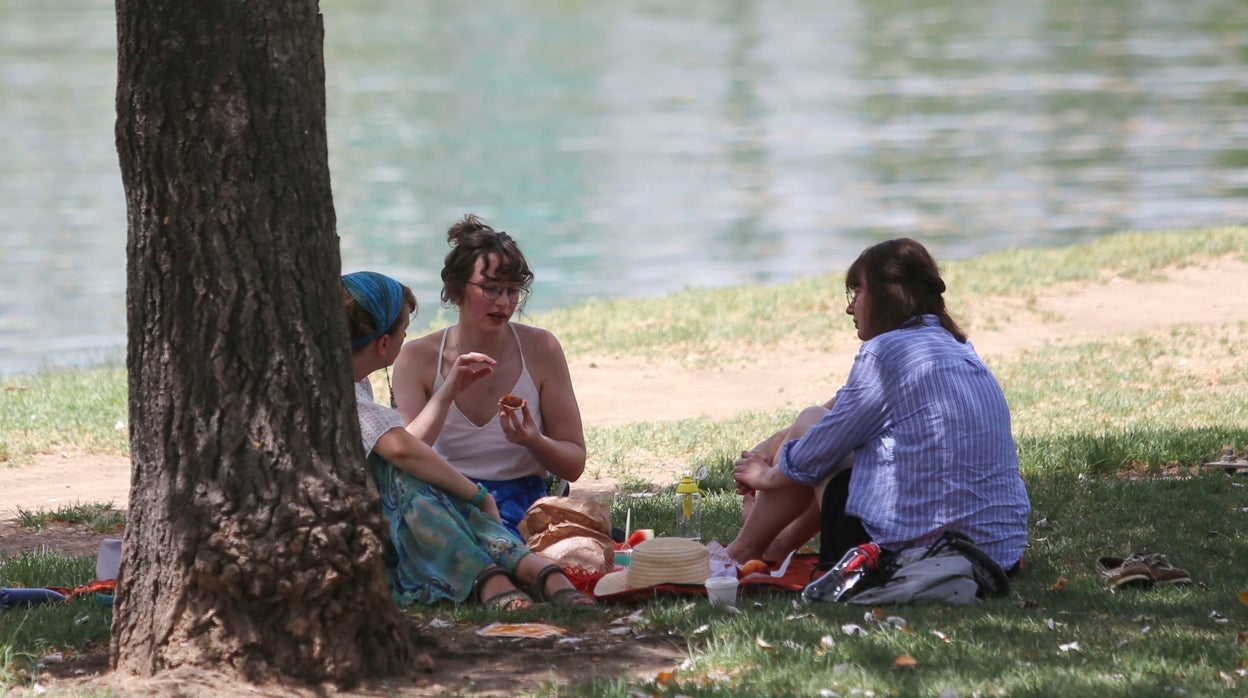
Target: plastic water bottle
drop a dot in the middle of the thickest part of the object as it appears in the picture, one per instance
(688, 509)
(842, 577)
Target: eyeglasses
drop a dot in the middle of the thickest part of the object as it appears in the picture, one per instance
(515, 294)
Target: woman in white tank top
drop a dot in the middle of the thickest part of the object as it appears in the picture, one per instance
(447, 384)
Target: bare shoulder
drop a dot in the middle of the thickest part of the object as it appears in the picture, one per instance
(428, 345)
(420, 356)
(538, 338)
(541, 347)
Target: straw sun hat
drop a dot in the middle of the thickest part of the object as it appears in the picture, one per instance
(659, 561)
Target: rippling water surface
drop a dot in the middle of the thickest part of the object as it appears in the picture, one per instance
(638, 147)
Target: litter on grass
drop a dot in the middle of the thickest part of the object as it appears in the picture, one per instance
(537, 631)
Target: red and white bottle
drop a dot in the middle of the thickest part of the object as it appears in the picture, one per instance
(833, 585)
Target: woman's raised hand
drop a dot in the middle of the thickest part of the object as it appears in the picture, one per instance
(468, 369)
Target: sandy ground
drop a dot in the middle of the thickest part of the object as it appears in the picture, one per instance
(617, 391)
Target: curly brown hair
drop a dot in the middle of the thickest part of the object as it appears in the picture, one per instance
(471, 239)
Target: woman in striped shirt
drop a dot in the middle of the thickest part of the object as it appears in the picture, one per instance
(922, 420)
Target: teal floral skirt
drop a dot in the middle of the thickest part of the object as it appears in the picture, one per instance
(441, 543)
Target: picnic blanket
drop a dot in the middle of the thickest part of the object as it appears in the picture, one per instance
(800, 571)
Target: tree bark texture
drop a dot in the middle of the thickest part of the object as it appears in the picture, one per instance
(253, 544)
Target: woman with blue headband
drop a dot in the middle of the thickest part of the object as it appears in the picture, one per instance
(448, 541)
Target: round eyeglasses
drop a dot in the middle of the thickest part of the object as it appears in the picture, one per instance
(492, 291)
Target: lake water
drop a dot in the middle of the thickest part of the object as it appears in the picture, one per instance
(634, 148)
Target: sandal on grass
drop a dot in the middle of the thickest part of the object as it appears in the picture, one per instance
(511, 600)
(568, 597)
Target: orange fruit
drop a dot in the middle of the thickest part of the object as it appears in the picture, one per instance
(754, 567)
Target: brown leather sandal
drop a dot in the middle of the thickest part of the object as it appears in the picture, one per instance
(511, 600)
(569, 597)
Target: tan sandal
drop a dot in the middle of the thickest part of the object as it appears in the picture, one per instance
(510, 600)
(568, 597)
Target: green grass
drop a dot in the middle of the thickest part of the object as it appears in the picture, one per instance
(725, 325)
(1160, 641)
(95, 515)
(29, 635)
(1112, 435)
(63, 411)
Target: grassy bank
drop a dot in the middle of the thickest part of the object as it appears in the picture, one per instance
(1130, 383)
(1111, 432)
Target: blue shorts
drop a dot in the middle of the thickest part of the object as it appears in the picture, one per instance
(514, 497)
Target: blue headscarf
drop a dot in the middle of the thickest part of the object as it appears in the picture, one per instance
(380, 296)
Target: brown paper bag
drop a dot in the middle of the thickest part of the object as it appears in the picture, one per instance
(571, 532)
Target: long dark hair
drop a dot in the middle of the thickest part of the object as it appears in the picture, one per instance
(471, 239)
(903, 282)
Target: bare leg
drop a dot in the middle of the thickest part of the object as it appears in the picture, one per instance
(776, 522)
(795, 535)
(774, 510)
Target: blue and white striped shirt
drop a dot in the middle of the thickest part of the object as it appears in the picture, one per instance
(930, 432)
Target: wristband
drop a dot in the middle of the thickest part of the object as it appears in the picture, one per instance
(480, 496)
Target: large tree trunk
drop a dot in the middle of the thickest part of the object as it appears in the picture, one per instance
(254, 536)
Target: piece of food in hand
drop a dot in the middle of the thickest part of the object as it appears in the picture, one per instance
(754, 567)
(511, 402)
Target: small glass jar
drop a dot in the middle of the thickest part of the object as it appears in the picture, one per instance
(688, 510)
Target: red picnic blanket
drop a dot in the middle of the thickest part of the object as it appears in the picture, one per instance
(799, 573)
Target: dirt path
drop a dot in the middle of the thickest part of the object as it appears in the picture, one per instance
(619, 391)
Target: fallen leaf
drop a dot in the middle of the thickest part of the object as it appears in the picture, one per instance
(941, 635)
(827, 642)
(1243, 597)
(1218, 617)
(853, 629)
(1069, 647)
(905, 661)
(763, 644)
(665, 677)
(1059, 584)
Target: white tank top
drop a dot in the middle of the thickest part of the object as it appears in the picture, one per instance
(483, 452)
